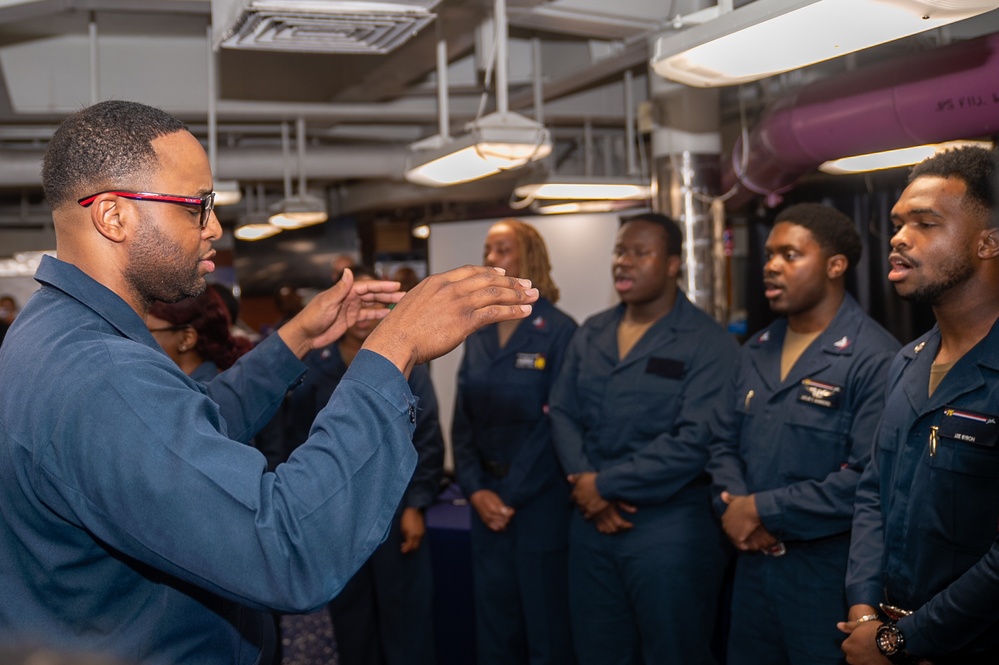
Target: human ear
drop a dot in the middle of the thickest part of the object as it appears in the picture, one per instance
(673, 266)
(988, 244)
(106, 214)
(836, 266)
(188, 340)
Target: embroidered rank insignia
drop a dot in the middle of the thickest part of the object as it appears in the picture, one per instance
(963, 425)
(534, 361)
(820, 394)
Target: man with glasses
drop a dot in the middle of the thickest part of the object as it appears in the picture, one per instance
(134, 523)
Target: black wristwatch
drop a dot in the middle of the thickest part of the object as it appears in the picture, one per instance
(891, 644)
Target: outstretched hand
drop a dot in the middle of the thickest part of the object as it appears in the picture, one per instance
(442, 310)
(331, 312)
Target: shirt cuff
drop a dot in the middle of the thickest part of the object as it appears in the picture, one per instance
(864, 594)
(285, 364)
(606, 486)
(770, 514)
(381, 376)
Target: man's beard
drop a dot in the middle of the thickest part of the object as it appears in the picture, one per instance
(158, 269)
(957, 271)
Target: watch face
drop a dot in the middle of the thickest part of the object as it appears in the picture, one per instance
(891, 642)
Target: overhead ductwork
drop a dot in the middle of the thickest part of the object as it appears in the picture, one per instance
(318, 26)
(22, 168)
(934, 96)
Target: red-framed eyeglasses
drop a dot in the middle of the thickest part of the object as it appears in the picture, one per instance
(204, 203)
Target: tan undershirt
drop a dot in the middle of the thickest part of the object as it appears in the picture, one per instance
(628, 335)
(937, 374)
(505, 330)
(794, 345)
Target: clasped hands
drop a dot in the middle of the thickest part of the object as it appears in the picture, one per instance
(742, 524)
(606, 515)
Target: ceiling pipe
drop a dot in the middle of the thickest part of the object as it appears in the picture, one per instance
(941, 95)
(20, 168)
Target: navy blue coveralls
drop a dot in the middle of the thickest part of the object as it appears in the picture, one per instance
(925, 530)
(648, 594)
(385, 612)
(800, 446)
(135, 523)
(502, 442)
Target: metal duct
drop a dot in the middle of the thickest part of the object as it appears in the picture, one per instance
(940, 95)
(22, 168)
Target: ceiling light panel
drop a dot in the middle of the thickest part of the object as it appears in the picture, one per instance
(767, 37)
(319, 26)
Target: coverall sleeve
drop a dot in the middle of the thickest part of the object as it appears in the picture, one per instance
(812, 509)
(958, 614)
(725, 465)
(427, 440)
(169, 489)
(467, 467)
(674, 458)
(863, 576)
(565, 411)
(250, 392)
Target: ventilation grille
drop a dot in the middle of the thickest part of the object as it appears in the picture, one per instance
(326, 26)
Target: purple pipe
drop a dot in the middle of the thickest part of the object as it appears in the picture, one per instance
(945, 94)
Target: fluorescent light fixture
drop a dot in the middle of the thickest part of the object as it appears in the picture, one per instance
(255, 227)
(496, 142)
(585, 189)
(575, 206)
(890, 159)
(767, 37)
(298, 211)
(564, 207)
(227, 193)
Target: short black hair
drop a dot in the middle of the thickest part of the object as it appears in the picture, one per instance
(674, 236)
(834, 231)
(976, 166)
(102, 147)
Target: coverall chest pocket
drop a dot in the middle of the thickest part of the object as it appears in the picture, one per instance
(963, 493)
(813, 443)
(648, 402)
